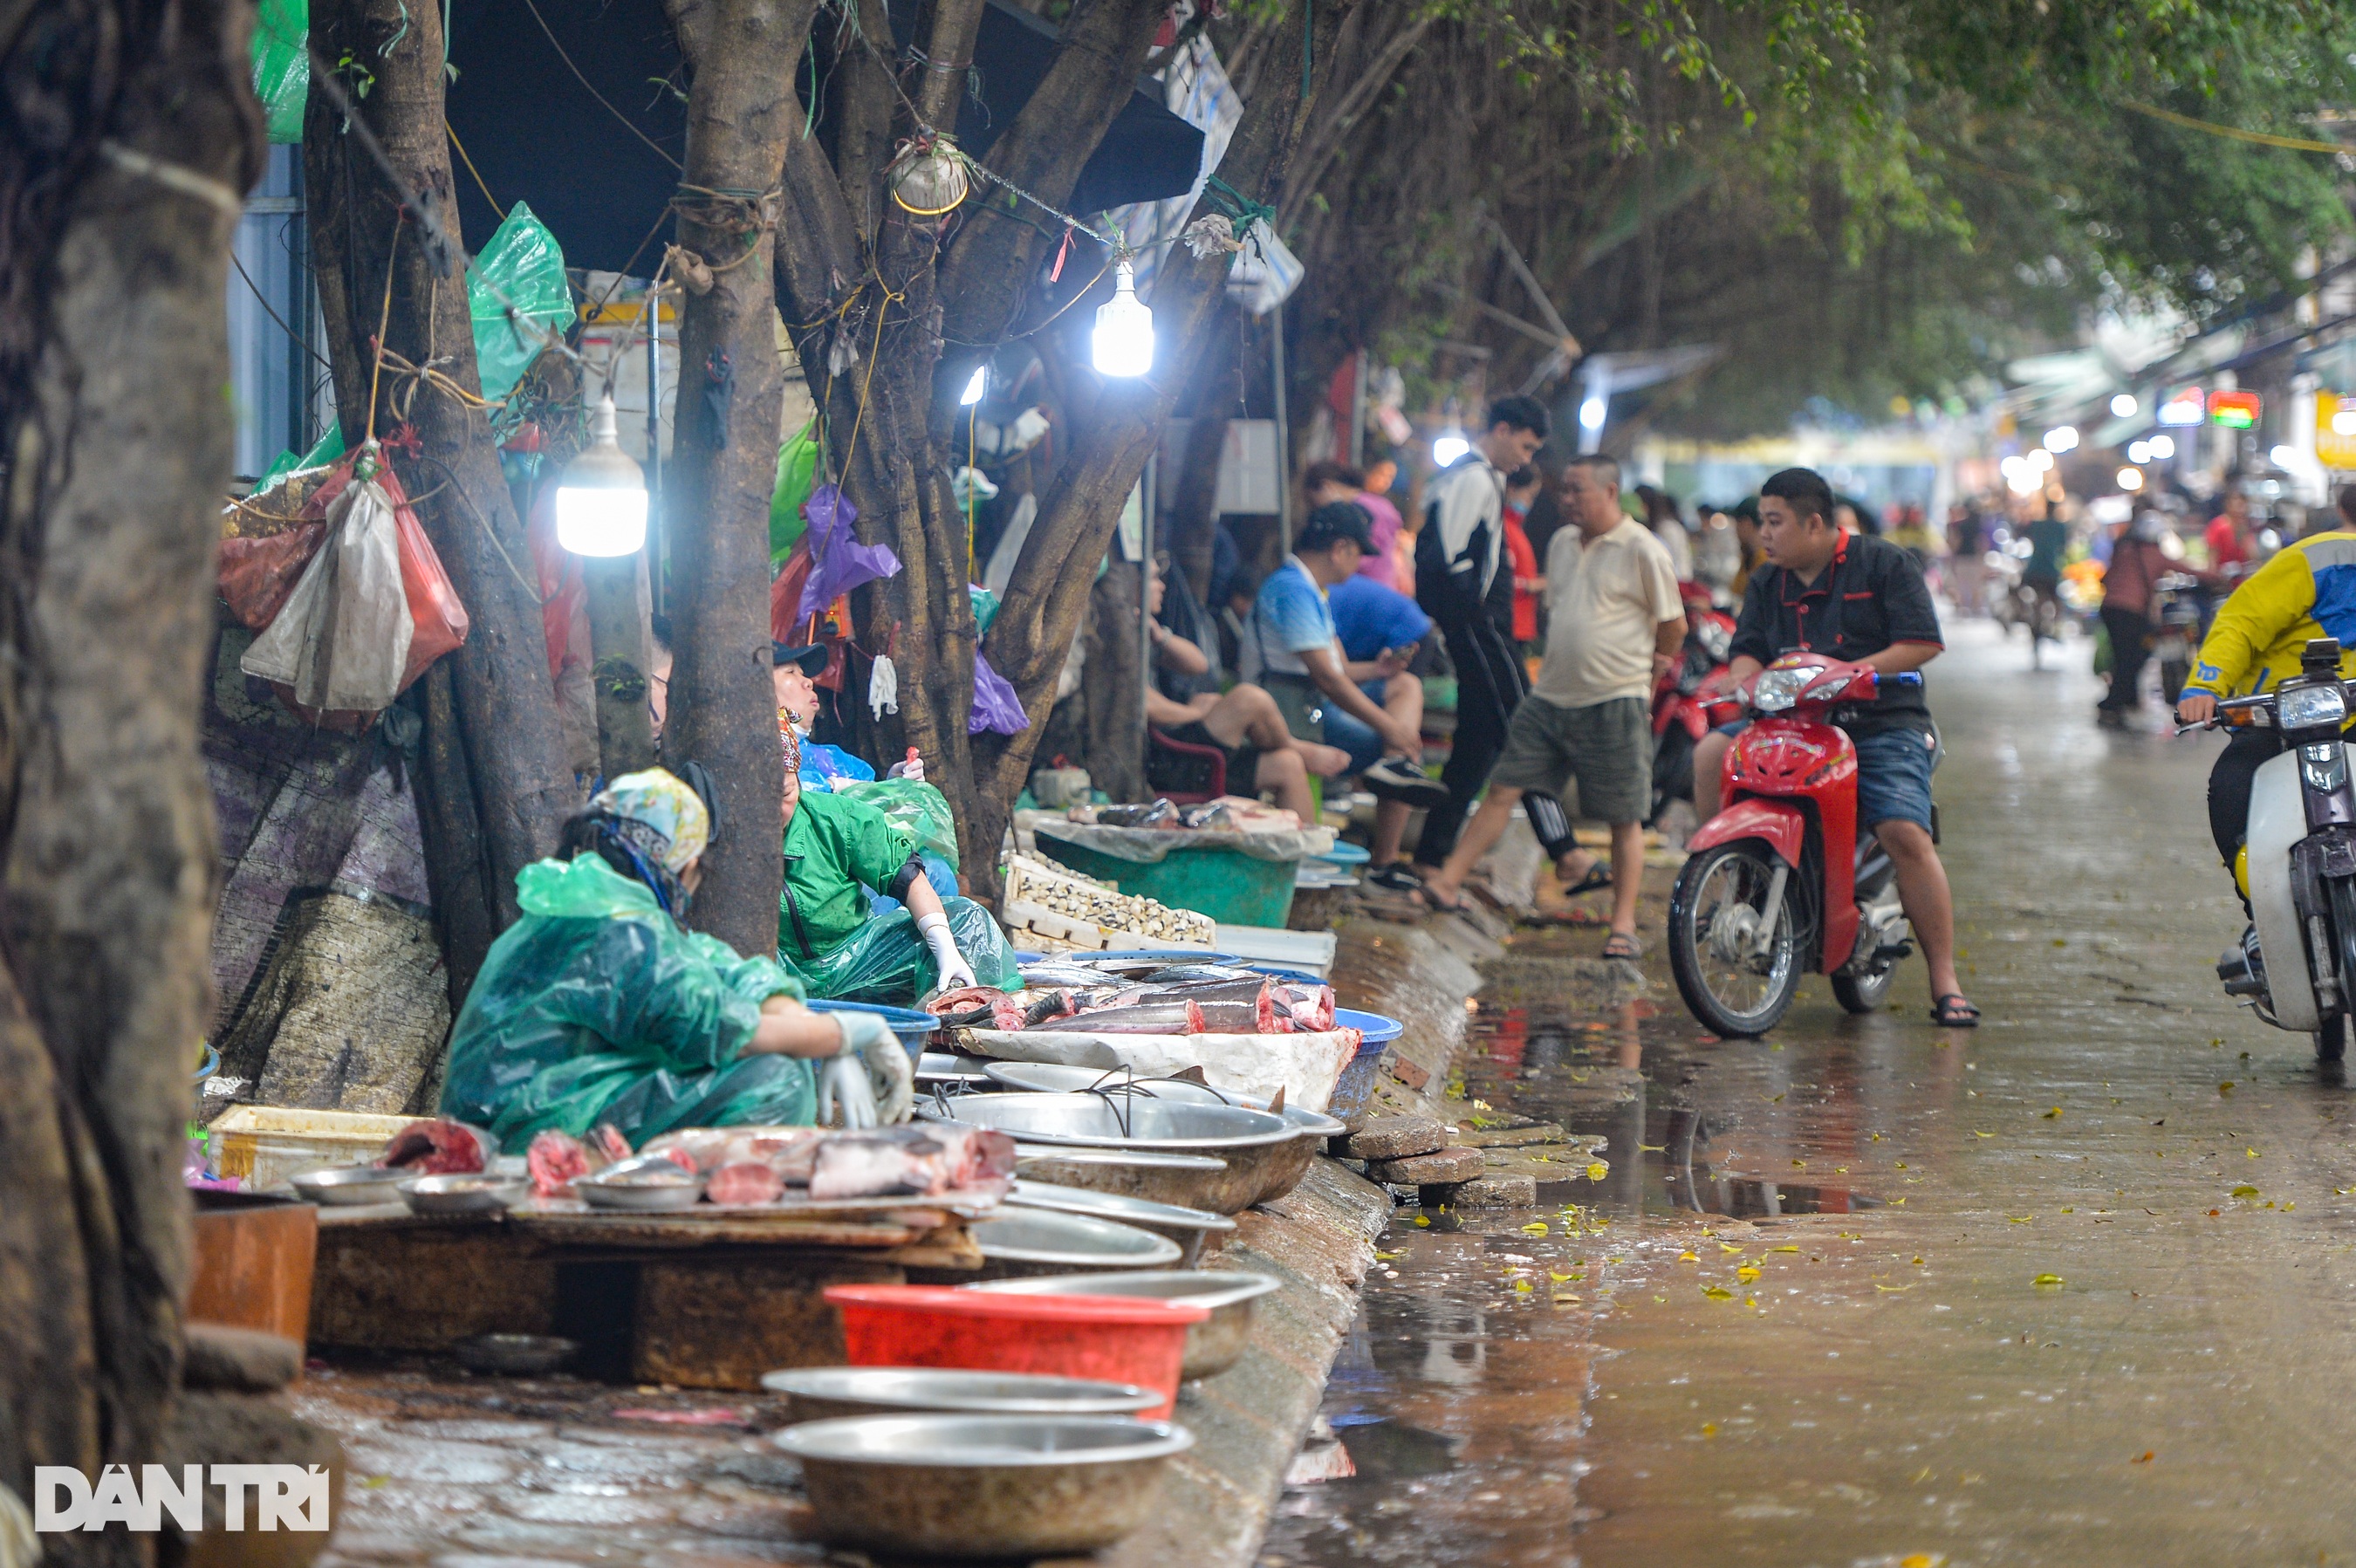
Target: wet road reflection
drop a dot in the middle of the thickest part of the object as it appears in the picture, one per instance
(2072, 1289)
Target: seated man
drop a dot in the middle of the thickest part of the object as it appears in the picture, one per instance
(1297, 650)
(836, 847)
(598, 1006)
(1381, 629)
(1859, 599)
(793, 672)
(1243, 722)
(2256, 640)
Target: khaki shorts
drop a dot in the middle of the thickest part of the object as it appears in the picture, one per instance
(1607, 748)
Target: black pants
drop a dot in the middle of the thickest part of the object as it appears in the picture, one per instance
(1489, 687)
(2229, 787)
(2130, 635)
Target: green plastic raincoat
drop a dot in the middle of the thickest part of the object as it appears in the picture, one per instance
(597, 1006)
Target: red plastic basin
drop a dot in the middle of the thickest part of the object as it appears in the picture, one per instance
(1112, 1339)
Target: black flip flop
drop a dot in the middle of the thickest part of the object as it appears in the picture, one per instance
(1432, 900)
(1597, 879)
(1952, 1011)
(1397, 877)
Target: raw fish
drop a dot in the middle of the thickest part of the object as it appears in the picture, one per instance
(1183, 1017)
(746, 1181)
(1172, 973)
(438, 1146)
(921, 1160)
(557, 1159)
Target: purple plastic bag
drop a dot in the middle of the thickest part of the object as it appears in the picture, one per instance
(839, 563)
(995, 706)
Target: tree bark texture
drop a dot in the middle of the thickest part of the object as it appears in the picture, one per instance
(506, 756)
(1041, 610)
(725, 455)
(128, 135)
(1115, 757)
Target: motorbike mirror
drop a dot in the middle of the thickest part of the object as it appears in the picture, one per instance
(2320, 657)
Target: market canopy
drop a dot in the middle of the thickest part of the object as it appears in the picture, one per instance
(526, 108)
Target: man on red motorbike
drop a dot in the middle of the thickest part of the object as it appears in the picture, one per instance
(1859, 599)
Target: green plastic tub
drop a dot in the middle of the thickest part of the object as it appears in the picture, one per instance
(1230, 886)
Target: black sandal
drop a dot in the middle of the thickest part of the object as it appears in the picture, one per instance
(1598, 878)
(1431, 899)
(1952, 1011)
(1396, 876)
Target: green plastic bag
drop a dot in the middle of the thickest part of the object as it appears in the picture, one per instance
(919, 811)
(328, 447)
(985, 607)
(797, 474)
(281, 66)
(886, 959)
(597, 1006)
(525, 263)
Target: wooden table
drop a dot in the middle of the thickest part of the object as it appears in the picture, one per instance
(700, 1301)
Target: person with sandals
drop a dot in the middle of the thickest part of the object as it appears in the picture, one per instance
(1615, 621)
(1862, 600)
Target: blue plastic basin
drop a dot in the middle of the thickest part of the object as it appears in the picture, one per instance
(910, 1025)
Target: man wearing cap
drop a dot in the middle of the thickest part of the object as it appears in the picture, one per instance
(793, 673)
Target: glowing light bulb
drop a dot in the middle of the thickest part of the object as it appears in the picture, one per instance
(975, 387)
(2130, 479)
(1592, 412)
(2139, 452)
(2062, 439)
(600, 499)
(2124, 406)
(1449, 446)
(1123, 344)
(2163, 447)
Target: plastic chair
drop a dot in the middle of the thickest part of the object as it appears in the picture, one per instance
(1186, 759)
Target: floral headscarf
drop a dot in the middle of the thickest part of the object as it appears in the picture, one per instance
(659, 815)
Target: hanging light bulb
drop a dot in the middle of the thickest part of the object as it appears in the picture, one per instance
(1123, 345)
(2124, 405)
(600, 499)
(2163, 446)
(1448, 446)
(975, 387)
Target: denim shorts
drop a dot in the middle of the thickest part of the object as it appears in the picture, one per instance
(1355, 736)
(1893, 774)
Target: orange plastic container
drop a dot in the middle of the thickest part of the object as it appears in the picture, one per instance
(1112, 1339)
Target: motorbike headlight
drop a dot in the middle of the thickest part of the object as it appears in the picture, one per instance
(1778, 689)
(2311, 707)
(1716, 641)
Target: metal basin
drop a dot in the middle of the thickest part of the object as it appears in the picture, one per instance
(653, 1184)
(1034, 1241)
(350, 1185)
(949, 1069)
(470, 1193)
(1212, 1346)
(1265, 1155)
(1054, 1077)
(1192, 1228)
(1187, 1181)
(827, 1393)
(982, 1485)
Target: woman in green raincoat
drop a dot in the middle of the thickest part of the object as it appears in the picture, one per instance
(598, 1006)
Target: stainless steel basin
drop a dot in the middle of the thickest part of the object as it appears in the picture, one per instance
(825, 1393)
(1265, 1156)
(1192, 1228)
(1054, 1077)
(1034, 1241)
(982, 1485)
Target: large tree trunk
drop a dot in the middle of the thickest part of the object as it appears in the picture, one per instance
(725, 459)
(1122, 425)
(497, 783)
(128, 133)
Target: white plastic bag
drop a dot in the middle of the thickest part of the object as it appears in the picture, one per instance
(342, 640)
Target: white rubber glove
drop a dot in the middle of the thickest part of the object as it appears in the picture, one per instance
(956, 973)
(843, 1080)
(875, 1054)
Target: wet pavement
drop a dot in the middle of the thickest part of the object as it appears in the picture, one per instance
(2067, 1289)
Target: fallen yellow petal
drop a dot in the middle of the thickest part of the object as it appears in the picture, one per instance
(1747, 1272)
(1718, 1293)
(2046, 1281)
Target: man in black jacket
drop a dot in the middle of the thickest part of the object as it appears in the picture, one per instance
(1456, 560)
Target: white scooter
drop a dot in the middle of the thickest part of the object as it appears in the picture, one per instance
(2296, 964)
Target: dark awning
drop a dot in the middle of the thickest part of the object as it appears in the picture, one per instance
(537, 133)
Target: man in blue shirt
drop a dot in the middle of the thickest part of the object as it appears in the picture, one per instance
(1295, 651)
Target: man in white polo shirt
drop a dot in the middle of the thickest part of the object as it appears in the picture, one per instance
(1614, 623)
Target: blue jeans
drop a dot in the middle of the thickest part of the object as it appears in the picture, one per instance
(1354, 735)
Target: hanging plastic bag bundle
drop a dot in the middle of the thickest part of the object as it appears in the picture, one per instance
(342, 640)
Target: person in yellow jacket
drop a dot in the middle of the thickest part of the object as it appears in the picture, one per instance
(2308, 590)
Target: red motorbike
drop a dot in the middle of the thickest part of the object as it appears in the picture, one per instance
(1688, 704)
(1781, 883)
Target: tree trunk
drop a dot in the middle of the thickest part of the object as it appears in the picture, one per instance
(1076, 516)
(1115, 757)
(724, 457)
(127, 137)
(517, 785)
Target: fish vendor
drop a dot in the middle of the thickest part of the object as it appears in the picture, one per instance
(793, 676)
(599, 1006)
(837, 848)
